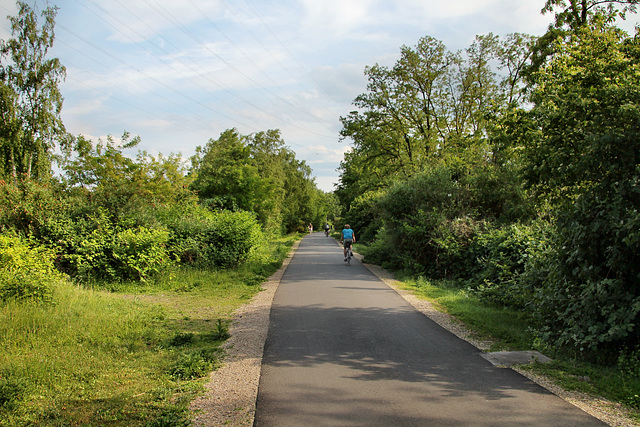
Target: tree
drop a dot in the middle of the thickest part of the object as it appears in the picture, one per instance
(514, 55)
(126, 186)
(584, 156)
(431, 107)
(577, 13)
(570, 15)
(30, 95)
(225, 174)
(259, 174)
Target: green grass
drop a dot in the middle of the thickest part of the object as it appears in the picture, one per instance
(512, 330)
(508, 329)
(122, 354)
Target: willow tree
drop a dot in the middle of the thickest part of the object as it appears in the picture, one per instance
(31, 99)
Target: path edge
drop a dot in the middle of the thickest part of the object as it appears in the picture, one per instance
(606, 411)
(232, 390)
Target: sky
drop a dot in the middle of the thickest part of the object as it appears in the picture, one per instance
(179, 73)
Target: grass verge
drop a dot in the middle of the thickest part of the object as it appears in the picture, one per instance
(122, 354)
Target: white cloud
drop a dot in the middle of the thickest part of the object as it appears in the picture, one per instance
(180, 72)
(133, 21)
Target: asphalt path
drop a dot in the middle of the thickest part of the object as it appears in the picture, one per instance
(344, 349)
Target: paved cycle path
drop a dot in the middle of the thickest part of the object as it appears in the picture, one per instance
(344, 349)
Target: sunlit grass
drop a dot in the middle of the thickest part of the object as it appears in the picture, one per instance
(76, 358)
(508, 329)
(123, 354)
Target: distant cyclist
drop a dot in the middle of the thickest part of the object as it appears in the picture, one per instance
(348, 238)
(327, 227)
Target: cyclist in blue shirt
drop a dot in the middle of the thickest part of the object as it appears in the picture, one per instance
(348, 238)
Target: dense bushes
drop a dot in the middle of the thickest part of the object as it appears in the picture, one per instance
(510, 263)
(93, 242)
(26, 273)
(593, 294)
(199, 236)
(433, 218)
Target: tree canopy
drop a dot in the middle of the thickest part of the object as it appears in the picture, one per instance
(31, 101)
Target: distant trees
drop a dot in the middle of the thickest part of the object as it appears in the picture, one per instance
(29, 95)
(258, 173)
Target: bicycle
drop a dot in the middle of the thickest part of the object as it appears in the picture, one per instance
(326, 232)
(349, 255)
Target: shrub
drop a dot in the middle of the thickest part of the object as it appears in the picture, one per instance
(26, 273)
(26, 206)
(507, 263)
(141, 253)
(231, 237)
(206, 238)
(86, 246)
(592, 298)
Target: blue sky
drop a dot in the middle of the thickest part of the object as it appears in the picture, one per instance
(178, 73)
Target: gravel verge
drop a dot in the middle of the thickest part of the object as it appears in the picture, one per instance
(231, 393)
(230, 396)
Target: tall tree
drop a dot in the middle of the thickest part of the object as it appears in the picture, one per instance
(584, 154)
(569, 16)
(31, 81)
(430, 107)
(225, 174)
(256, 173)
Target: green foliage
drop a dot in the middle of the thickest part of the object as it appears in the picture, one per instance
(127, 188)
(507, 267)
(195, 364)
(432, 219)
(226, 174)
(586, 162)
(364, 216)
(215, 239)
(230, 237)
(433, 106)
(31, 124)
(141, 253)
(26, 273)
(258, 173)
(591, 299)
(26, 207)
(86, 246)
